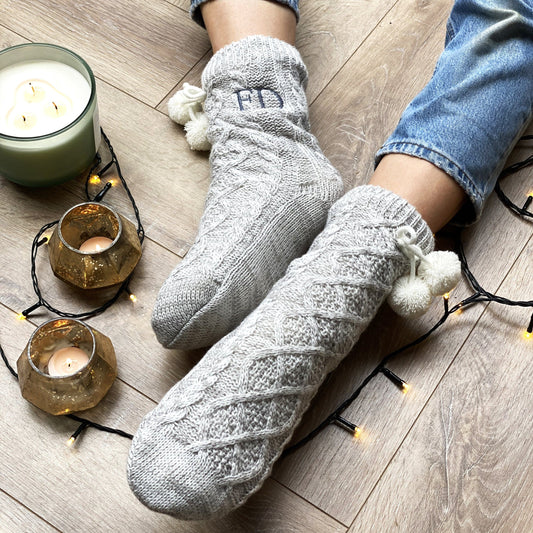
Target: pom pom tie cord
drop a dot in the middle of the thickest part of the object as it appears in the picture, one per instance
(405, 240)
(438, 273)
(186, 108)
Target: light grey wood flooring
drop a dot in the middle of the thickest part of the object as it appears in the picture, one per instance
(454, 454)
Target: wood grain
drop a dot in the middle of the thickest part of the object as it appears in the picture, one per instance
(134, 45)
(363, 104)
(182, 4)
(466, 463)
(327, 35)
(451, 455)
(86, 485)
(14, 517)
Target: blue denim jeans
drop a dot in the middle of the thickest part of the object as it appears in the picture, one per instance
(197, 15)
(479, 101)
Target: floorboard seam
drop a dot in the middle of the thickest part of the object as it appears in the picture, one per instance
(28, 509)
(310, 503)
(348, 59)
(439, 382)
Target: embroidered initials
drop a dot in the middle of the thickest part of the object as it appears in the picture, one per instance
(249, 98)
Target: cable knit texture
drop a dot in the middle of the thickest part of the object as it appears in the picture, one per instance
(269, 197)
(214, 437)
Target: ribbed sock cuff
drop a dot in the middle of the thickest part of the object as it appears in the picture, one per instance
(376, 202)
(255, 60)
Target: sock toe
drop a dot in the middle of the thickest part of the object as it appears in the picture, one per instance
(169, 479)
(178, 302)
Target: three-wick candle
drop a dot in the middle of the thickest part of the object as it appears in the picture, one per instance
(49, 127)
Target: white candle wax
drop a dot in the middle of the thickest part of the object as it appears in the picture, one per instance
(96, 244)
(67, 361)
(49, 128)
(40, 97)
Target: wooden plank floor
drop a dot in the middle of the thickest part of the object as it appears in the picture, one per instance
(452, 455)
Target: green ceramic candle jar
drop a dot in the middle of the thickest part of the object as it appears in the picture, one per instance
(49, 126)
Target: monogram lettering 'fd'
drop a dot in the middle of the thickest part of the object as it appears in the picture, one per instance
(261, 97)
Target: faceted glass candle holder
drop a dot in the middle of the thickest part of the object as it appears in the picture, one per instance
(94, 270)
(59, 395)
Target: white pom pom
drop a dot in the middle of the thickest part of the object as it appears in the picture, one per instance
(196, 132)
(179, 107)
(410, 297)
(441, 271)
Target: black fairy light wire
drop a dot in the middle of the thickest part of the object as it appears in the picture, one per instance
(84, 423)
(94, 178)
(479, 295)
(39, 240)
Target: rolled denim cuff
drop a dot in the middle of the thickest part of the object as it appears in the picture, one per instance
(196, 13)
(471, 211)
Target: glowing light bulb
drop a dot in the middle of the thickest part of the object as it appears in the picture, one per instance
(446, 295)
(71, 441)
(21, 316)
(406, 387)
(357, 432)
(113, 183)
(94, 179)
(133, 298)
(527, 334)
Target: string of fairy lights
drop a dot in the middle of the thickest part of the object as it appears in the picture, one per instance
(336, 416)
(480, 295)
(96, 176)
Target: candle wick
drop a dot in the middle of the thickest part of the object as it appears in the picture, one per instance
(23, 118)
(57, 109)
(32, 88)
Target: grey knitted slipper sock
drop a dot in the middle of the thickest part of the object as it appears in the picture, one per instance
(214, 437)
(269, 197)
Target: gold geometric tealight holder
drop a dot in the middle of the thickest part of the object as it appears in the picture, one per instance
(94, 247)
(66, 366)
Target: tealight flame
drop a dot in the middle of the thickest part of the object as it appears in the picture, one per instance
(69, 362)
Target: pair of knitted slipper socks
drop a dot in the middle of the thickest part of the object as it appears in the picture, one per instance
(213, 439)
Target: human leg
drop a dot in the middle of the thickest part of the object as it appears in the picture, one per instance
(215, 436)
(465, 122)
(271, 185)
(226, 21)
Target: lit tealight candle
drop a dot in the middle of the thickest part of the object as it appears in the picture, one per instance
(95, 244)
(67, 361)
